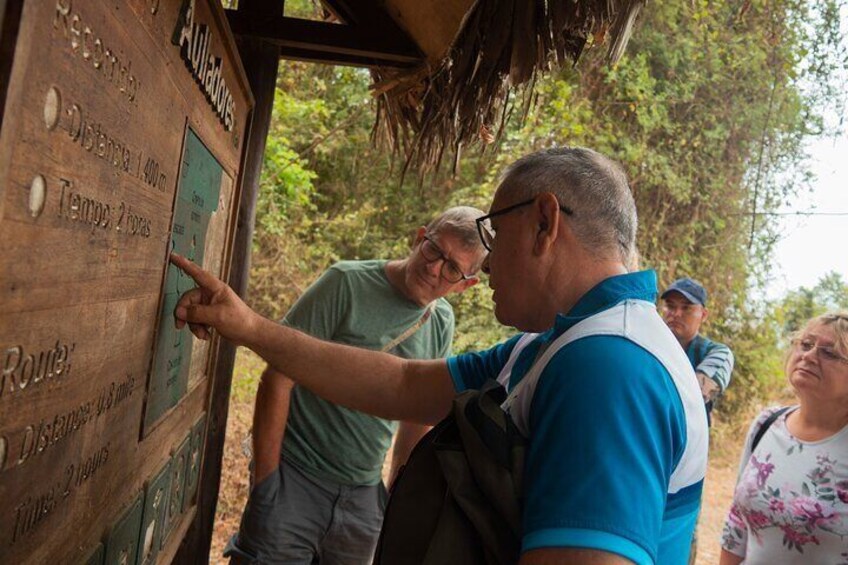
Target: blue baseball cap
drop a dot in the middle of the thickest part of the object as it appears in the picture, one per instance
(690, 289)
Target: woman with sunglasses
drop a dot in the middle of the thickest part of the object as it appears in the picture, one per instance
(791, 499)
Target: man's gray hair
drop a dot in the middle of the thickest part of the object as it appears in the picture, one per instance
(460, 222)
(594, 187)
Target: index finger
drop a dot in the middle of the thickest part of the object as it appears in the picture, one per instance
(201, 277)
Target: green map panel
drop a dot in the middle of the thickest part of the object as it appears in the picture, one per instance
(200, 176)
(197, 199)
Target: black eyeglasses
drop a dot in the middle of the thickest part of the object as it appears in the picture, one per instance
(487, 234)
(449, 271)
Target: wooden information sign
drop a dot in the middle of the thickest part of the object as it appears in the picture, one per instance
(122, 137)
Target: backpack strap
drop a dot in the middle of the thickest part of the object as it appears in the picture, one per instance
(506, 372)
(766, 425)
(247, 442)
(410, 331)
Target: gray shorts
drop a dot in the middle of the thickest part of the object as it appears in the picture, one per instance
(295, 519)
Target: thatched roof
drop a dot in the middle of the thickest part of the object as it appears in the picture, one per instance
(443, 70)
(460, 93)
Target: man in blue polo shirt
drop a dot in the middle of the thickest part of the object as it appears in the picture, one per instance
(684, 309)
(597, 383)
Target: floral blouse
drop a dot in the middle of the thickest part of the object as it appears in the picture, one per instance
(791, 499)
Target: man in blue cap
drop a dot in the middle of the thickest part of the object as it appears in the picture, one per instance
(684, 309)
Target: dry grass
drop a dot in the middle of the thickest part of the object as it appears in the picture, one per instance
(727, 438)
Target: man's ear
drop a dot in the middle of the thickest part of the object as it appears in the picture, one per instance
(704, 314)
(547, 212)
(419, 235)
(468, 283)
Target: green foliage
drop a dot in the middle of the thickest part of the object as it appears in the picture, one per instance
(799, 305)
(248, 368)
(758, 371)
(707, 115)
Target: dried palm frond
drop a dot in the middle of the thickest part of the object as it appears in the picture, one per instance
(501, 45)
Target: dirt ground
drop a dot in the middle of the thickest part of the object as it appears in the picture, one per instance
(718, 492)
(721, 475)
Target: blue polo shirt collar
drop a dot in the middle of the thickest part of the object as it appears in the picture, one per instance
(641, 285)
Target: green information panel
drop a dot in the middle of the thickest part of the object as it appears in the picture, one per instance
(193, 463)
(97, 555)
(153, 520)
(122, 544)
(197, 199)
(179, 466)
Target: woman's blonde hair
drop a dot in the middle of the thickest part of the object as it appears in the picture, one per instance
(837, 320)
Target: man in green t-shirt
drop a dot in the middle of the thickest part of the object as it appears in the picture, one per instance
(317, 493)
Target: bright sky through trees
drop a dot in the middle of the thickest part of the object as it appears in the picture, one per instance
(815, 245)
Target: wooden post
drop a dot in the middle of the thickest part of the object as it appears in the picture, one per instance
(260, 61)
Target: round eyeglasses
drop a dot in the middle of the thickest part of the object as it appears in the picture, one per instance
(449, 271)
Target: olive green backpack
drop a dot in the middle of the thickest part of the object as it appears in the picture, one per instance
(458, 498)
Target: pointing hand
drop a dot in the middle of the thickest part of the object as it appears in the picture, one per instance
(212, 305)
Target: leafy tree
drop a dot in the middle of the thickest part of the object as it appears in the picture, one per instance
(799, 305)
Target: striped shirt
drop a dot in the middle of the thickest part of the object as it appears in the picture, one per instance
(711, 358)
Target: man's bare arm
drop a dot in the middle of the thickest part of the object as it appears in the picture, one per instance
(368, 381)
(408, 435)
(270, 415)
(570, 556)
(709, 388)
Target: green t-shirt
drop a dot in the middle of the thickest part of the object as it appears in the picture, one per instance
(354, 303)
